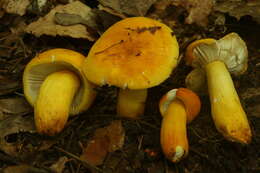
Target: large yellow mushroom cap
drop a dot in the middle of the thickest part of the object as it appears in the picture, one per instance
(52, 61)
(134, 53)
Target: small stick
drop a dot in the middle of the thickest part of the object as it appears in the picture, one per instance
(84, 163)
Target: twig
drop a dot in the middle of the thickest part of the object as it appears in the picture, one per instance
(84, 163)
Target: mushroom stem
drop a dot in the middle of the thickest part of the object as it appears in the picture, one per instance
(54, 101)
(174, 140)
(227, 112)
(131, 103)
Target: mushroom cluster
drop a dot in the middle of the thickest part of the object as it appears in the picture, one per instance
(135, 54)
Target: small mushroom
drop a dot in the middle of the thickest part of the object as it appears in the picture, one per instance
(219, 58)
(178, 107)
(134, 54)
(54, 85)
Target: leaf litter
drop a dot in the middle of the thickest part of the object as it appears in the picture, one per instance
(47, 26)
(105, 140)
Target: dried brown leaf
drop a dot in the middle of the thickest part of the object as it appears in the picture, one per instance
(15, 106)
(198, 10)
(107, 139)
(23, 169)
(132, 8)
(15, 6)
(12, 125)
(59, 166)
(47, 26)
(116, 135)
(240, 9)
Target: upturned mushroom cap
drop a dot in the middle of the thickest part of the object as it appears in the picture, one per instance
(134, 53)
(190, 100)
(230, 49)
(52, 61)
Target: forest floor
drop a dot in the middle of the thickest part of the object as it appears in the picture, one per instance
(23, 150)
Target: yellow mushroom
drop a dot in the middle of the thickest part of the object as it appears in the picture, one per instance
(54, 85)
(219, 58)
(178, 107)
(134, 54)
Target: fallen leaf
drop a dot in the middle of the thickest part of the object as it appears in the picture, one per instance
(198, 10)
(66, 19)
(132, 8)
(12, 125)
(16, 105)
(15, 6)
(240, 9)
(116, 135)
(24, 169)
(105, 140)
(59, 165)
(47, 26)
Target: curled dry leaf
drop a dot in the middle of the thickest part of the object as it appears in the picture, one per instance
(107, 139)
(15, 6)
(59, 165)
(47, 25)
(132, 8)
(12, 125)
(240, 9)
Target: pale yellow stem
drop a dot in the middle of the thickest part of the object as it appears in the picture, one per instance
(227, 112)
(174, 140)
(131, 103)
(54, 100)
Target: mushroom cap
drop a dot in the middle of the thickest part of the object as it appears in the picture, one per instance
(134, 53)
(52, 61)
(230, 49)
(190, 100)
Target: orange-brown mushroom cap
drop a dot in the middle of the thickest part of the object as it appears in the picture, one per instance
(190, 100)
(134, 53)
(52, 61)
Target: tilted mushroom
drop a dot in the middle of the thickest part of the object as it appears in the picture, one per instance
(219, 58)
(134, 54)
(55, 86)
(178, 107)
